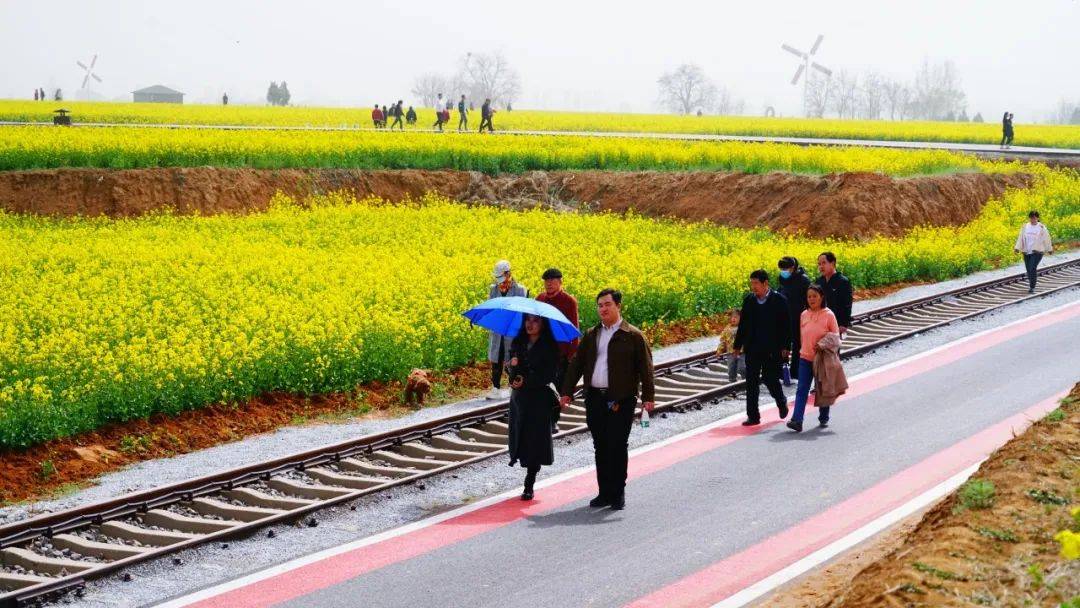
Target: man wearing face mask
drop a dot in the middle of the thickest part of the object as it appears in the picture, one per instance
(793, 285)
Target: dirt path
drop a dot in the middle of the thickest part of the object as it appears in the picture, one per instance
(852, 205)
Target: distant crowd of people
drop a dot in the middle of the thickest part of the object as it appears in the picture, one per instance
(39, 95)
(389, 117)
(793, 332)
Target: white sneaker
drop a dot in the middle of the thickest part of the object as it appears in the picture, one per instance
(493, 394)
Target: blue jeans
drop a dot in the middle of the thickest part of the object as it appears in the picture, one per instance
(802, 393)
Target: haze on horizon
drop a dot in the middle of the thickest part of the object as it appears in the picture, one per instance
(570, 55)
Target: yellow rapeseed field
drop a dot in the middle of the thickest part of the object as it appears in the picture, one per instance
(108, 320)
(128, 147)
(1058, 136)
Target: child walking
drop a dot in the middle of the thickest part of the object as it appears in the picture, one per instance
(736, 365)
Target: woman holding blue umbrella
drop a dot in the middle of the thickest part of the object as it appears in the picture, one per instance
(533, 366)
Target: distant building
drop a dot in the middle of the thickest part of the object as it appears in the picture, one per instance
(158, 94)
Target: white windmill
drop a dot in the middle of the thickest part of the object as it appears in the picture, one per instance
(807, 63)
(84, 90)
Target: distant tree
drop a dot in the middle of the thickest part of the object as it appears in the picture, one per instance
(687, 89)
(284, 95)
(871, 97)
(272, 94)
(818, 94)
(937, 91)
(978, 117)
(486, 76)
(950, 116)
(897, 98)
(847, 88)
(726, 103)
(962, 117)
(428, 86)
(1075, 118)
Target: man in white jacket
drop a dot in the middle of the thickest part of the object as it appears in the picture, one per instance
(1034, 243)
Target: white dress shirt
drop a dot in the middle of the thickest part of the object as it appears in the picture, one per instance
(600, 371)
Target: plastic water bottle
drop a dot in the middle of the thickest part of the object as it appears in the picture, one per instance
(644, 418)
(785, 373)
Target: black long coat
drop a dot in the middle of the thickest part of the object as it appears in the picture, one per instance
(532, 405)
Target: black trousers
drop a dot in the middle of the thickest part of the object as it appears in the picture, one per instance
(463, 121)
(397, 123)
(1031, 263)
(486, 122)
(763, 367)
(498, 367)
(610, 431)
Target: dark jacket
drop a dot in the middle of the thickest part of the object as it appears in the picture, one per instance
(629, 361)
(794, 288)
(764, 328)
(485, 110)
(838, 297)
(532, 405)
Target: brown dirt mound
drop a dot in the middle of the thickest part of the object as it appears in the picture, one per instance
(843, 205)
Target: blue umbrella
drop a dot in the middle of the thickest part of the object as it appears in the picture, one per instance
(503, 316)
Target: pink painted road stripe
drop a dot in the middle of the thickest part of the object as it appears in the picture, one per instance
(351, 564)
(737, 572)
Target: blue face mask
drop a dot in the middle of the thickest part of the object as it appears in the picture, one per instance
(785, 274)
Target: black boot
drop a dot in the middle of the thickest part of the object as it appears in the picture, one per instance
(530, 479)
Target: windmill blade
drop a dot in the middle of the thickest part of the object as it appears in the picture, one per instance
(85, 80)
(94, 60)
(82, 65)
(824, 70)
(798, 73)
(96, 77)
(817, 43)
(793, 51)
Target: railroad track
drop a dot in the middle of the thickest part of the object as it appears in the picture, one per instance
(58, 552)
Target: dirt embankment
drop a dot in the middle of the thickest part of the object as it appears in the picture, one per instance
(849, 204)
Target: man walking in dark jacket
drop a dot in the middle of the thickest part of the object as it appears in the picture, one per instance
(463, 115)
(838, 292)
(614, 358)
(793, 286)
(486, 112)
(566, 304)
(764, 334)
(397, 113)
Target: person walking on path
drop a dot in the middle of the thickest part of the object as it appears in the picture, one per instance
(463, 115)
(566, 304)
(615, 360)
(224, 99)
(499, 346)
(376, 117)
(1006, 130)
(1034, 242)
(533, 368)
(440, 105)
(486, 113)
(814, 322)
(793, 286)
(36, 96)
(410, 116)
(727, 344)
(838, 292)
(764, 334)
(396, 112)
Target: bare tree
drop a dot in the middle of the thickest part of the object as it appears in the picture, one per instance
(896, 96)
(428, 87)
(488, 76)
(871, 96)
(937, 91)
(687, 89)
(726, 103)
(847, 89)
(817, 95)
(1066, 113)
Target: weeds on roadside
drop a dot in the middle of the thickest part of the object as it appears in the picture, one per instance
(975, 494)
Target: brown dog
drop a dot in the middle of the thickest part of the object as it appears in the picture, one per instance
(417, 385)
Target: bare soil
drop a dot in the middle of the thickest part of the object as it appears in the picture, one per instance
(963, 555)
(852, 205)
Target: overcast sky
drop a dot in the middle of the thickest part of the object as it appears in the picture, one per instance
(571, 54)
